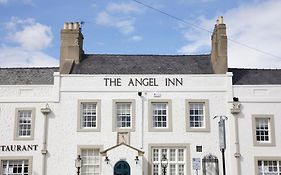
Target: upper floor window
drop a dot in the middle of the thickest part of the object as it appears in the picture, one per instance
(123, 115)
(197, 115)
(160, 115)
(263, 130)
(89, 115)
(24, 124)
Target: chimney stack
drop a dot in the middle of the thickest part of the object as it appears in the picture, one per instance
(71, 49)
(219, 48)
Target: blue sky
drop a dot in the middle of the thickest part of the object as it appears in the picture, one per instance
(30, 29)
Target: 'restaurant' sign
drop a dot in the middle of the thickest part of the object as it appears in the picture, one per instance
(13, 148)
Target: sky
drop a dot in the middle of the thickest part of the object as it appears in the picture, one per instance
(30, 29)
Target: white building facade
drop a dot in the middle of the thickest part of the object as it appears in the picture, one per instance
(139, 114)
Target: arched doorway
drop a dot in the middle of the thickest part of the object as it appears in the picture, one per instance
(122, 168)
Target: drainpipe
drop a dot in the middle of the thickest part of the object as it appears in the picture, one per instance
(45, 111)
(237, 154)
(142, 117)
(235, 110)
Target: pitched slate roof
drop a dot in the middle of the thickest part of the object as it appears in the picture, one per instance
(27, 76)
(143, 64)
(255, 76)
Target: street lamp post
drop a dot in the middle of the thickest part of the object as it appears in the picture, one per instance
(222, 139)
(164, 163)
(78, 164)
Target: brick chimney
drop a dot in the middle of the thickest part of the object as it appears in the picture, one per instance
(71, 49)
(219, 48)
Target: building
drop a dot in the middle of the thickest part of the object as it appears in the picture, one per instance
(124, 114)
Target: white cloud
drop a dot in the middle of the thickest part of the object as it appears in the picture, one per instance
(255, 25)
(31, 38)
(20, 57)
(136, 38)
(119, 16)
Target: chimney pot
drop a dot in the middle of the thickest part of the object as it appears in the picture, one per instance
(220, 20)
(76, 25)
(65, 25)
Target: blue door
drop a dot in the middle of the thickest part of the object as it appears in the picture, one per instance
(122, 168)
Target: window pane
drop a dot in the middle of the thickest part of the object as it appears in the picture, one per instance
(159, 115)
(196, 114)
(14, 167)
(25, 122)
(89, 115)
(176, 163)
(124, 115)
(268, 167)
(90, 161)
(262, 129)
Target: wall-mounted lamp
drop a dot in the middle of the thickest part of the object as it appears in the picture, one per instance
(137, 159)
(78, 164)
(106, 159)
(235, 99)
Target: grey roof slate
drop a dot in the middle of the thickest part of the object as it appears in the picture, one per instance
(143, 64)
(255, 76)
(27, 76)
(138, 64)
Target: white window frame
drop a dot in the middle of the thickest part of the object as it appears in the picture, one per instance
(17, 129)
(18, 158)
(168, 127)
(115, 127)
(90, 147)
(270, 130)
(205, 127)
(176, 161)
(80, 127)
(263, 169)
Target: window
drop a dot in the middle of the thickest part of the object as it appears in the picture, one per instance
(269, 167)
(197, 115)
(123, 115)
(89, 115)
(16, 166)
(176, 160)
(24, 129)
(90, 161)
(199, 149)
(263, 130)
(160, 115)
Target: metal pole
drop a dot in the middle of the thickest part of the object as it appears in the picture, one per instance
(223, 161)
(78, 170)
(164, 170)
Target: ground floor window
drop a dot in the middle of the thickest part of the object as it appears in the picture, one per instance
(90, 162)
(176, 160)
(14, 167)
(269, 167)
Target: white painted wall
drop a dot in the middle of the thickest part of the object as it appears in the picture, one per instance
(63, 137)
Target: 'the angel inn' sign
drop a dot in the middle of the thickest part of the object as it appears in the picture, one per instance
(144, 81)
